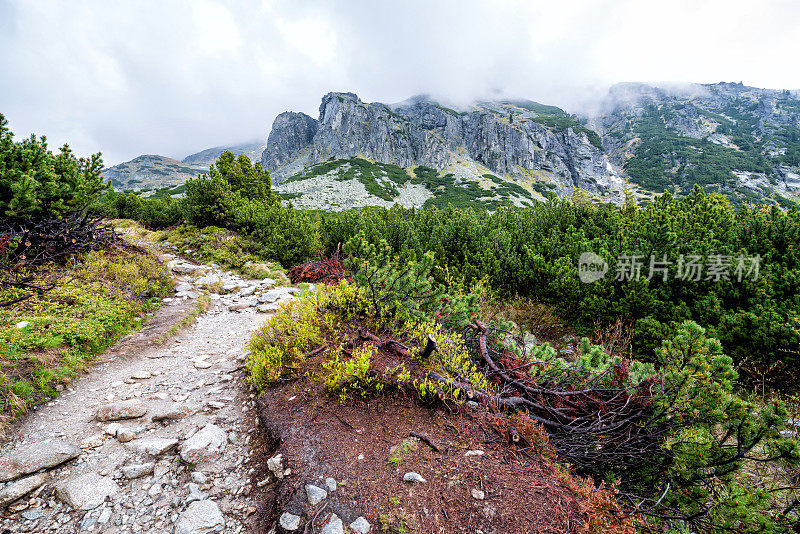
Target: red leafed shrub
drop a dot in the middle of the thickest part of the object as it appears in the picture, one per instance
(326, 270)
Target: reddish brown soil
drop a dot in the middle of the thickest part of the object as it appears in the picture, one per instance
(321, 437)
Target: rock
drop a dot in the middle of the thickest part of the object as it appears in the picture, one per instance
(275, 464)
(22, 324)
(238, 307)
(208, 280)
(360, 526)
(268, 282)
(271, 296)
(413, 477)
(173, 413)
(198, 477)
(478, 494)
(20, 488)
(86, 491)
(315, 494)
(331, 484)
(32, 515)
(188, 294)
(105, 516)
(152, 446)
(112, 429)
(333, 526)
(247, 291)
(184, 268)
(289, 522)
(474, 453)
(194, 493)
(205, 445)
(141, 375)
(42, 455)
(137, 470)
(125, 435)
(201, 517)
(183, 287)
(121, 410)
(267, 308)
(202, 364)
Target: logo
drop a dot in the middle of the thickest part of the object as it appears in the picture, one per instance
(591, 267)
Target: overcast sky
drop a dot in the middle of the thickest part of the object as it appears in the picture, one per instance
(172, 78)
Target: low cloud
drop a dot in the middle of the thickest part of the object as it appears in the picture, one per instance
(173, 78)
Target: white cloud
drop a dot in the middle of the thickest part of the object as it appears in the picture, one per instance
(175, 77)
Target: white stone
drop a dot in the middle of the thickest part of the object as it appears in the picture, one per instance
(201, 517)
(86, 491)
(275, 464)
(198, 477)
(315, 494)
(20, 488)
(478, 494)
(360, 526)
(473, 453)
(412, 477)
(205, 445)
(137, 470)
(289, 522)
(334, 526)
(331, 483)
(247, 291)
(23, 324)
(152, 446)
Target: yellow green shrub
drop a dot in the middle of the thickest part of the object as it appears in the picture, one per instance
(344, 377)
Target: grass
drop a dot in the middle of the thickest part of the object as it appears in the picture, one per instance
(99, 297)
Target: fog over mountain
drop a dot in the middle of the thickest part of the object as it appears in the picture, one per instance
(150, 78)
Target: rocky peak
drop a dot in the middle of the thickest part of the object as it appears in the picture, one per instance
(291, 134)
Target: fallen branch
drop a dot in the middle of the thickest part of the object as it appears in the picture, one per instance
(424, 438)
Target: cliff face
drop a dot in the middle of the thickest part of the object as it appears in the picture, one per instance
(523, 140)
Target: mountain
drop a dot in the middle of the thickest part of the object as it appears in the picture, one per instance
(421, 152)
(155, 172)
(151, 172)
(208, 156)
(741, 141)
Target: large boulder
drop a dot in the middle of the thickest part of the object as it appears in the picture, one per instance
(42, 455)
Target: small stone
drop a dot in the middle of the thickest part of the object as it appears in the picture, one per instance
(137, 470)
(267, 308)
(216, 405)
(141, 375)
(289, 522)
(201, 517)
(22, 324)
(173, 413)
(125, 435)
(315, 494)
(105, 516)
(247, 291)
(334, 526)
(412, 477)
(478, 494)
(32, 515)
(202, 364)
(275, 464)
(152, 446)
(360, 456)
(86, 491)
(121, 410)
(112, 429)
(20, 488)
(271, 296)
(42, 455)
(360, 526)
(330, 482)
(474, 453)
(205, 445)
(198, 477)
(194, 493)
(268, 282)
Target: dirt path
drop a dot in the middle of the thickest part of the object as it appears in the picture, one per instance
(187, 398)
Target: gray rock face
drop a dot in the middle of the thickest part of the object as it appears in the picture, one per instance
(422, 132)
(87, 491)
(20, 488)
(30, 459)
(291, 134)
(201, 517)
